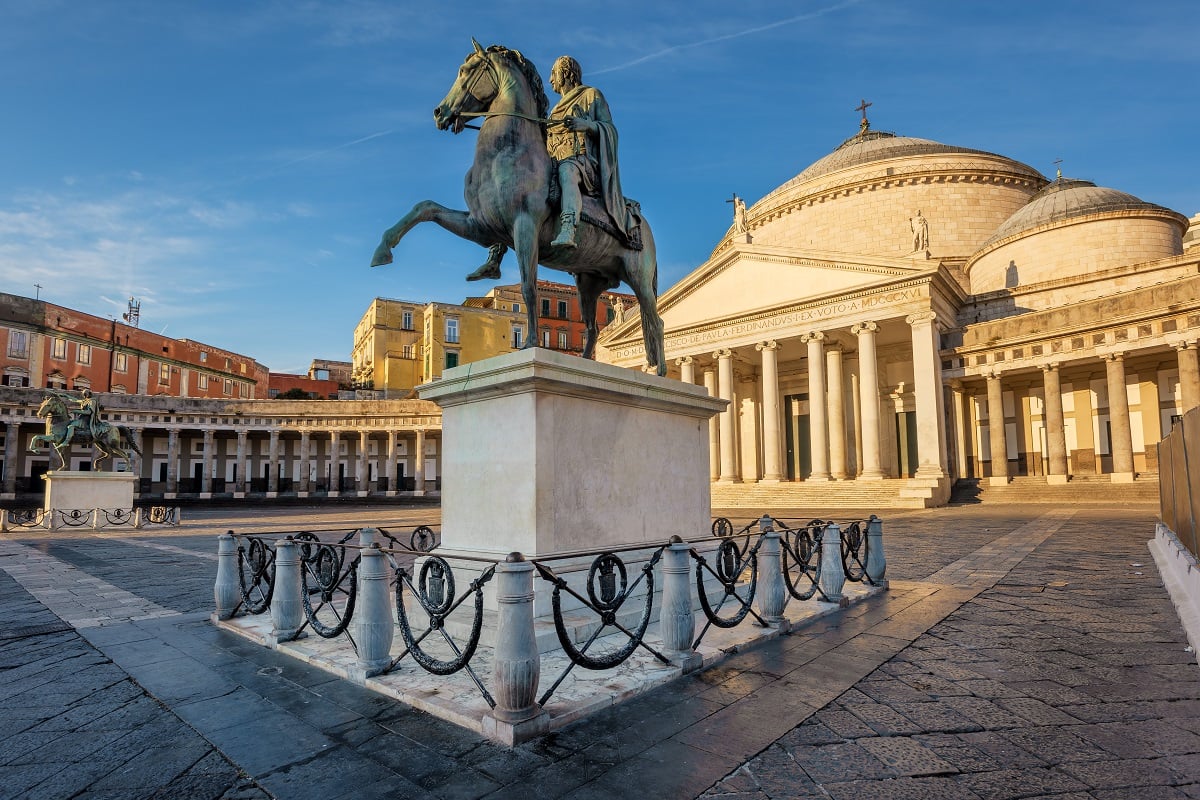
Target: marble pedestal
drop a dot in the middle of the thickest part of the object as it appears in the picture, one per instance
(548, 454)
(68, 490)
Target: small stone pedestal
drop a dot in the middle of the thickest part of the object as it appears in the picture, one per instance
(68, 490)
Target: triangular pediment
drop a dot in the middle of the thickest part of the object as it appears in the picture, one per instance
(748, 279)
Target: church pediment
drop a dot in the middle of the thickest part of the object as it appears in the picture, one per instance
(749, 279)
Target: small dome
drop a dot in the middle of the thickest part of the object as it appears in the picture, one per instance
(1067, 198)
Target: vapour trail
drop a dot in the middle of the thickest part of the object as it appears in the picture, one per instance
(726, 37)
(343, 146)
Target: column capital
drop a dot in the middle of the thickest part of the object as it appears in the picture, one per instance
(1050, 366)
(921, 317)
(1113, 356)
(991, 374)
(812, 336)
(679, 362)
(768, 345)
(955, 384)
(209, 433)
(723, 353)
(864, 327)
(274, 434)
(1184, 344)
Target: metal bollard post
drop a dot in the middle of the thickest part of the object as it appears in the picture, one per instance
(876, 563)
(226, 591)
(772, 595)
(516, 665)
(677, 620)
(373, 624)
(833, 576)
(287, 603)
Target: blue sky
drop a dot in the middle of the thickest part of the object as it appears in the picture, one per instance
(233, 164)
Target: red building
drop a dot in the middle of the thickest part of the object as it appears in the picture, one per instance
(560, 322)
(286, 385)
(44, 345)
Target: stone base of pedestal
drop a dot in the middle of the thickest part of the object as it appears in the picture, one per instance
(68, 490)
(1056, 480)
(998, 480)
(1121, 477)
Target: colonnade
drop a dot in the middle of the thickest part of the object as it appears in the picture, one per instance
(1061, 461)
(834, 424)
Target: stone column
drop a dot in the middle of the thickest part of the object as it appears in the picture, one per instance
(239, 485)
(390, 467)
(1118, 417)
(516, 666)
(958, 412)
(856, 418)
(12, 446)
(868, 380)
(135, 459)
(172, 462)
(273, 465)
(998, 442)
(687, 369)
(817, 432)
(1056, 429)
(305, 464)
(1189, 375)
(419, 465)
(335, 446)
(837, 412)
(206, 475)
(772, 444)
(927, 377)
(725, 392)
(714, 446)
(362, 474)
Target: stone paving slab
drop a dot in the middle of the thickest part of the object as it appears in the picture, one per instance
(1055, 670)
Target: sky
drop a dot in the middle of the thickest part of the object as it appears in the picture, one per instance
(233, 164)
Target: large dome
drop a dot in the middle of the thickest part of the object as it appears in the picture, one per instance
(870, 145)
(862, 200)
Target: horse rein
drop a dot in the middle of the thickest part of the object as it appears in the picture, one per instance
(467, 89)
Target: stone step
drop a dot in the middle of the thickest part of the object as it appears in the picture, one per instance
(1091, 489)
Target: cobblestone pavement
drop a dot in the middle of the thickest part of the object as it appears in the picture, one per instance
(1020, 653)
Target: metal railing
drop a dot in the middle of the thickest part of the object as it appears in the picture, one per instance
(323, 582)
(1179, 480)
(34, 518)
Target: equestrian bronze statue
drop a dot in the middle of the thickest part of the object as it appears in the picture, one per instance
(80, 424)
(515, 199)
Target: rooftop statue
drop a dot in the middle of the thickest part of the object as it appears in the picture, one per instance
(73, 420)
(545, 186)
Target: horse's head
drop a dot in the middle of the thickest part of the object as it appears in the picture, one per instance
(52, 406)
(486, 75)
(474, 89)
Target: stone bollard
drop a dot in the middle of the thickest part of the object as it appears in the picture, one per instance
(772, 594)
(226, 591)
(373, 624)
(137, 518)
(876, 563)
(677, 619)
(287, 602)
(833, 578)
(516, 665)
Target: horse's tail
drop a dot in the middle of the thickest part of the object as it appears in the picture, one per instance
(127, 435)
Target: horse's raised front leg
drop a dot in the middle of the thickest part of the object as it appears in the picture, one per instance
(457, 222)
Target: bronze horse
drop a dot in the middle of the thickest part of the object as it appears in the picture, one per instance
(111, 440)
(508, 193)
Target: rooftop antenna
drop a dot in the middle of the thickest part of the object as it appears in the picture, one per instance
(1058, 169)
(134, 314)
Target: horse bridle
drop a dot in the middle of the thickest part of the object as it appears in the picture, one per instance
(494, 75)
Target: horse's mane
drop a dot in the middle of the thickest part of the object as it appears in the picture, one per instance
(531, 76)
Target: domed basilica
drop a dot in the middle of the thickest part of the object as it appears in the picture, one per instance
(903, 313)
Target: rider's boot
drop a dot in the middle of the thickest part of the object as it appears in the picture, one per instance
(491, 268)
(566, 233)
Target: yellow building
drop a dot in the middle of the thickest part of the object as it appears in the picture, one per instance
(400, 344)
